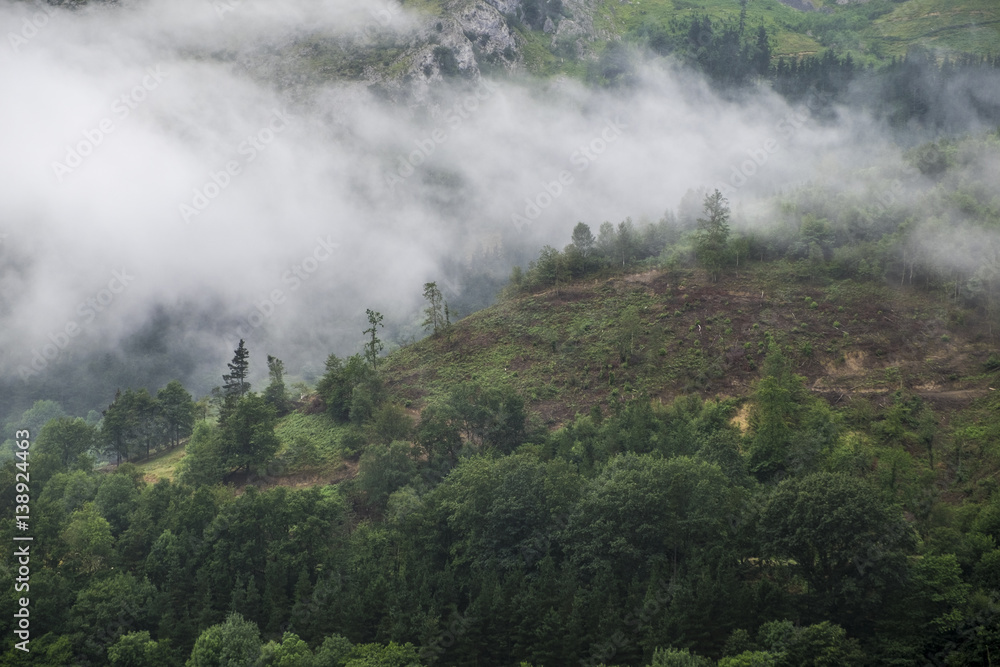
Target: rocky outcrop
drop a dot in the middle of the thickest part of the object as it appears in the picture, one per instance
(470, 35)
(507, 7)
(488, 32)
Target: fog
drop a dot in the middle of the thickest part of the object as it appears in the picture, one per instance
(181, 169)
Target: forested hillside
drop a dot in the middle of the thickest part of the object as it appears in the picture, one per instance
(516, 333)
(691, 442)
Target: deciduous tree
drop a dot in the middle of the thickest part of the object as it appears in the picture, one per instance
(583, 239)
(177, 409)
(246, 435)
(235, 643)
(842, 537)
(61, 443)
(275, 394)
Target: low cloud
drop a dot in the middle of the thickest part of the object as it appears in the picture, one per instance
(200, 193)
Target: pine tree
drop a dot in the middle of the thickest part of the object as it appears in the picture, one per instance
(625, 242)
(235, 384)
(713, 234)
(434, 312)
(128, 423)
(776, 401)
(300, 620)
(246, 434)
(374, 346)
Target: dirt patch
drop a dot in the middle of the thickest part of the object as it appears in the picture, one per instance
(742, 419)
(952, 400)
(645, 278)
(313, 405)
(855, 361)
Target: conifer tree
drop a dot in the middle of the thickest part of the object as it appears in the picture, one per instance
(374, 346)
(236, 384)
(434, 311)
(713, 234)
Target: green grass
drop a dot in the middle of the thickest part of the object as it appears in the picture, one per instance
(872, 31)
(622, 18)
(428, 7)
(316, 431)
(307, 442)
(971, 26)
(163, 465)
(538, 57)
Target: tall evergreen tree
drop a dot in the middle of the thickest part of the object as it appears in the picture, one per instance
(434, 311)
(713, 234)
(374, 346)
(777, 397)
(236, 384)
(625, 242)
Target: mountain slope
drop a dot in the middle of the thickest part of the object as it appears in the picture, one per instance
(663, 334)
(463, 38)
